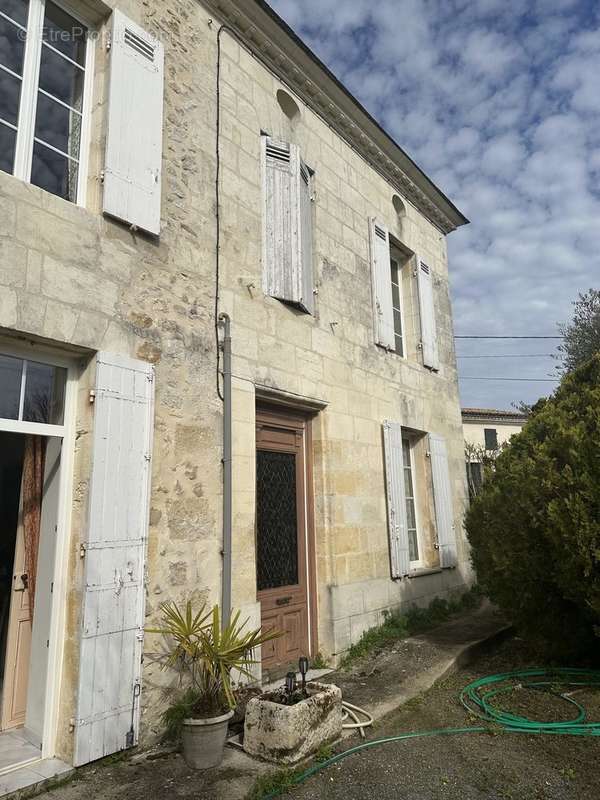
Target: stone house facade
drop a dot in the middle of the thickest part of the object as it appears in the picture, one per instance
(485, 431)
(164, 164)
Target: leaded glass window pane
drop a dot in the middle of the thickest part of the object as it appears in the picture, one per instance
(276, 520)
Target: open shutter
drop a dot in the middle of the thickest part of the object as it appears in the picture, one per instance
(307, 299)
(442, 494)
(112, 629)
(396, 499)
(282, 238)
(383, 309)
(132, 169)
(427, 312)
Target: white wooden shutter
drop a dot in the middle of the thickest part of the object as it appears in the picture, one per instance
(427, 313)
(396, 499)
(307, 299)
(381, 277)
(442, 494)
(132, 169)
(282, 237)
(112, 629)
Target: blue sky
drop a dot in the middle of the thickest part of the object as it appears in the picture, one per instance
(500, 104)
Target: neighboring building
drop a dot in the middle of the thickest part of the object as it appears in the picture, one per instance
(485, 431)
(348, 478)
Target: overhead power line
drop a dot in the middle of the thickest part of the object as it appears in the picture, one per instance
(528, 380)
(509, 337)
(519, 355)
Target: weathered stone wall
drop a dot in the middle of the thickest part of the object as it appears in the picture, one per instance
(332, 357)
(73, 279)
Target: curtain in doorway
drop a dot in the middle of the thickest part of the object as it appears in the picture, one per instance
(32, 487)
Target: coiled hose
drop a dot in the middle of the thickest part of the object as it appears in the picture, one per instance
(476, 697)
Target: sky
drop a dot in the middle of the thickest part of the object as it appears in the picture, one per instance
(499, 103)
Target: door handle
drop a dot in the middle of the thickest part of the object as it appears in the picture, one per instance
(25, 582)
(282, 601)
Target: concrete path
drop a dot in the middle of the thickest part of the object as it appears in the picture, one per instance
(380, 684)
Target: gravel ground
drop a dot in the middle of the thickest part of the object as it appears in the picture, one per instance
(474, 766)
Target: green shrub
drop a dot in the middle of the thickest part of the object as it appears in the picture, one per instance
(535, 527)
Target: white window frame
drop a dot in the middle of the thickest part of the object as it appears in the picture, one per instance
(418, 563)
(399, 268)
(56, 635)
(25, 128)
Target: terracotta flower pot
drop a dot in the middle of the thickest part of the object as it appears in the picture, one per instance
(204, 741)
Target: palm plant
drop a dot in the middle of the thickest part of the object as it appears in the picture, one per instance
(207, 653)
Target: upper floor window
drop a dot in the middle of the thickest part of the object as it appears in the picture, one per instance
(44, 75)
(388, 253)
(491, 438)
(397, 304)
(288, 227)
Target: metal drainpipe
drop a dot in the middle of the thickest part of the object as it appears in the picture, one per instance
(227, 518)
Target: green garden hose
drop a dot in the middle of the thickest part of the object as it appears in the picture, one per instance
(476, 697)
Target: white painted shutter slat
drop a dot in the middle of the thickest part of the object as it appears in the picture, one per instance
(396, 499)
(427, 314)
(442, 495)
(383, 309)
(132, 169)
(307, 299)
(281, 227)
(114, 592)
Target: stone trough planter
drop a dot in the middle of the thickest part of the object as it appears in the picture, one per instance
(287, 734)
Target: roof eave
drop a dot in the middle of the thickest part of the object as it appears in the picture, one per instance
(275, 43)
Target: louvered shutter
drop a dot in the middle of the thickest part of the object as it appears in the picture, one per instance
(442, 494)
(282, 246)
(307, 300)
(383, 310)
(112, 629)
(427, 313)
(132, 169)
(396, 499)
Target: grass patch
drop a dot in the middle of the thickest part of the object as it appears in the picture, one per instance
(398, 625)
(273, 783)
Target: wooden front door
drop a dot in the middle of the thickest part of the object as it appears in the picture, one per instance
(18, 643)
(282, 575)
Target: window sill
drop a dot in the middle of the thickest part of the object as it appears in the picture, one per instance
(420, 573)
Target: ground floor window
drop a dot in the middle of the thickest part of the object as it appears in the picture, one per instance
(409, 497)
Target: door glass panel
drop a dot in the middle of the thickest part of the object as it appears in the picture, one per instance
(276, 520)
(44, 393)
(11, 370)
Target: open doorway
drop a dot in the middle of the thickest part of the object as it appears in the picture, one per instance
(31, 442)
(29, 487)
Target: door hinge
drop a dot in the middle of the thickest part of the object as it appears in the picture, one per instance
(108, 42)
(82, 549)
(92, 398)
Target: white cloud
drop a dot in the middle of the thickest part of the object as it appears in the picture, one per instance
(499, 103)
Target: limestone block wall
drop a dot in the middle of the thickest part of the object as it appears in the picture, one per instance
(78, 282)
(332, 356)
